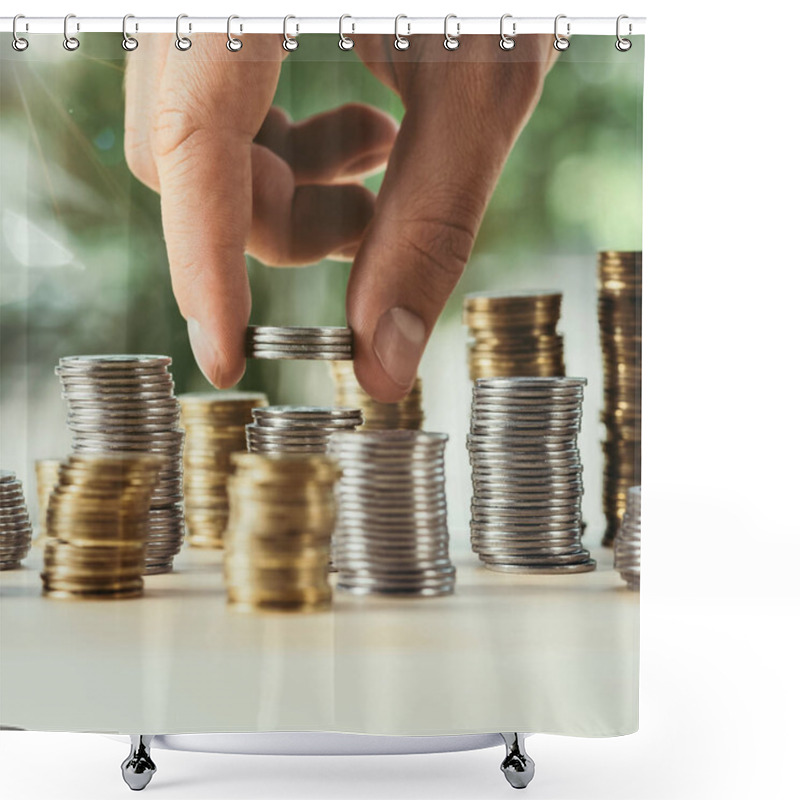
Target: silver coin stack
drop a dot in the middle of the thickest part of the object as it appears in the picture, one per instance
(127, 403)
(527, 475)
(391, 534)
(628, 541)
(298, 429)
(327, 344)
(15, 524)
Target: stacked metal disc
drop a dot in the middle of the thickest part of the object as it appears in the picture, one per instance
(328, 344)
(527, 474)
(298, 429)
(97, 525)
(628, 541)
(125, 403)
(46, 480)
(514, 334)
(391, 534)
(620, 314)
(277, 544)
(15, 524)
(215, 428)
(404, 415)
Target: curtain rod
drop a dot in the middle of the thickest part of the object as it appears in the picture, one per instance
(407, 26)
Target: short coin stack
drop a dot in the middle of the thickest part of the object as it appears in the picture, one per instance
(97, 525)
(327, 344)
(215, 428)
(514, 334)
(298, 429)
(46, 480)
(391, 534)
(405, 415)
(620, 314)
(15, 524)
(125, 403)
(277, 544)
(527, 475)
(628, 541)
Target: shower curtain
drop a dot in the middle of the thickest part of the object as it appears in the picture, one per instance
(157, 201)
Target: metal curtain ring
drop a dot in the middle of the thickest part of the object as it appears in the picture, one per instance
(129, 43)
(182, 42)
(345, 42)
(507, 42)
(18, 43)
(233, 44)
(400, 42)
(71, 43)
(560, 42)
(623, 45)
(451, 42)
(289, 42)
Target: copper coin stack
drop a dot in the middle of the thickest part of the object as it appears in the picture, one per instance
(97, 526)
(620, 315)
(215, 428)
(628, 541)
(46, 481)
(278, 540)
(407, 414)
(15, 524)
(125, 403)
(514, 334)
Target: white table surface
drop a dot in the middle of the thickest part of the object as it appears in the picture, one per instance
(551, 654)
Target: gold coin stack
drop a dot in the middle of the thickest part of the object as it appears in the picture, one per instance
(278, 540)
(15, 524)
(407, 414)
(46, 481)
(215, 427)
(97, 526)
(620, 315)
(514, 335)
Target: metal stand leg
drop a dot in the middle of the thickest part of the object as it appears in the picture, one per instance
(138, 768)
(517, 766)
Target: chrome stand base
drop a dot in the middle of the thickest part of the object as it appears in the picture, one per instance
(138, 768)
(517, 766)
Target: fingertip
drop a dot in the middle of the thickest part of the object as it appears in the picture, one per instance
(222, 367)
(376, 383)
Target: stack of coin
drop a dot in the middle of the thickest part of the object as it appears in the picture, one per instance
(628, 541)
(215, 427)
(298, 429)
(97, 525)
(391, 532)
(327, 344)
(125, 403)
(514, 334)
(404, 415)
(46, 480)
(15, 525)
(277, 544)
(620, 314)
(527, 474)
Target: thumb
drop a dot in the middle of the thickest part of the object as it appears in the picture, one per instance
(439, 179)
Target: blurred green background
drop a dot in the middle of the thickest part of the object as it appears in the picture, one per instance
(84, 269)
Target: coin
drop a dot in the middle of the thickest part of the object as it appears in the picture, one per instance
(627, 542)
(15, 524)
(263, 341)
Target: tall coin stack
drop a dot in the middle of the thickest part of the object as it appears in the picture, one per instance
(277, 544)
(97, 526)
(215, 428)
(391, 533)
(46, 480)
(15, 524)
(125, 403)
(514, 334)
(527, 475)
(405, 415)
(628, 541)
(298, 429)
(620, 315)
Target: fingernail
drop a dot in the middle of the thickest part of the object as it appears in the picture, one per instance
(204, 352)
(398, 343)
